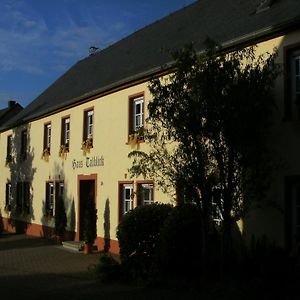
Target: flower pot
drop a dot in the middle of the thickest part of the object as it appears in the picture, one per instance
(87, 249)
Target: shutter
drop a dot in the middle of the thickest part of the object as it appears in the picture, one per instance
(47, 198)
(131, 116)
(139, 195)
(85, 126)
(120, 201)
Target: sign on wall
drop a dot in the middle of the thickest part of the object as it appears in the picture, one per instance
(89, 162)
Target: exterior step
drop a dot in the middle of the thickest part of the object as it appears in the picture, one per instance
(73, 245)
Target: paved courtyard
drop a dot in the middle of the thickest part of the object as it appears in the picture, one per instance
(35, 268)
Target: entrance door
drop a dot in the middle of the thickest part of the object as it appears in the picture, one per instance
(86, 193)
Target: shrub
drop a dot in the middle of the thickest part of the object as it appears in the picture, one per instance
(180, 246)
(138, 234)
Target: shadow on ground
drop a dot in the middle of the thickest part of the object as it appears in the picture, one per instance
(17, 241)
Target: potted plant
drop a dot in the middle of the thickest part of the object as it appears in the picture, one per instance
(63, 150)
(46, 154)
(87, 145)
(60, 220)
(90, 225)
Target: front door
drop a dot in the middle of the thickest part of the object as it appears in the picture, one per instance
(86, 193)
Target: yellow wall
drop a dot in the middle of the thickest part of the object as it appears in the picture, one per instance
(110, 142)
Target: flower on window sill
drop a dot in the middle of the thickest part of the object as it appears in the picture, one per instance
(63, 150)
(46, 154)
(136, 137)
(87, 145)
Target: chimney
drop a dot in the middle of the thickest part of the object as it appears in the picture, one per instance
(11, 103)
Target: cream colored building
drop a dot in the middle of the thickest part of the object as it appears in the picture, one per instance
(73, 140)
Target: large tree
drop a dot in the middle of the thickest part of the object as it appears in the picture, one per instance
(207, 128)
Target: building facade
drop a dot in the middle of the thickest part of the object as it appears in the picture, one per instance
(73, 140)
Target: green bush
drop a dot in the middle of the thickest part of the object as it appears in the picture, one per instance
(180, 247)
(138, 234)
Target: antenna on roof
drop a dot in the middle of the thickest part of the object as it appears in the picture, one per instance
(93, 50)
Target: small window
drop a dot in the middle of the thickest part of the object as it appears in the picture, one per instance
(144, 193)
(88, 127)
(23, 154)
(292, 84)
(9, 149)
(54, 190)
(126, 198)
(216, 204)
(47, 137)
(136, 121)
(65, 133)
(295, 77)
(23, 196)
(8, 196)
(49, 204)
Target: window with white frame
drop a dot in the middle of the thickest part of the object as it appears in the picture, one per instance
(292, 83)
(9, 149)
(8, 196)
(216, 203)
(65, 133)
(88, 127)
(126, 198)
(295, 76)
(54, 190)
(136, 118)
(47, 137)
(144, 193)
(138, 112)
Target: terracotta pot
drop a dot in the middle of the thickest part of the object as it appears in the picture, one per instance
(87, 249)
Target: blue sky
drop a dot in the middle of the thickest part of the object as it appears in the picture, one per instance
(41, 39)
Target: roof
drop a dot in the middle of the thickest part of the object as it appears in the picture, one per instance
(227, 22)
(9, 112)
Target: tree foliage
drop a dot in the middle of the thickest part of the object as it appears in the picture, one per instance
(207, 130)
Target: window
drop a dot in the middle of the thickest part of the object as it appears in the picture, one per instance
(54, 190)
(47, 137)
(126, 198)
(292, 82)
(136, 111)
(216, 203)
(9, 148)
(65, 133)
(295, 77)
(23, 196)
(8, 196)
(23, 153)
(88, 126)
(144, 193)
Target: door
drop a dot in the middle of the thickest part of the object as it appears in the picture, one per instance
(86, 193)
